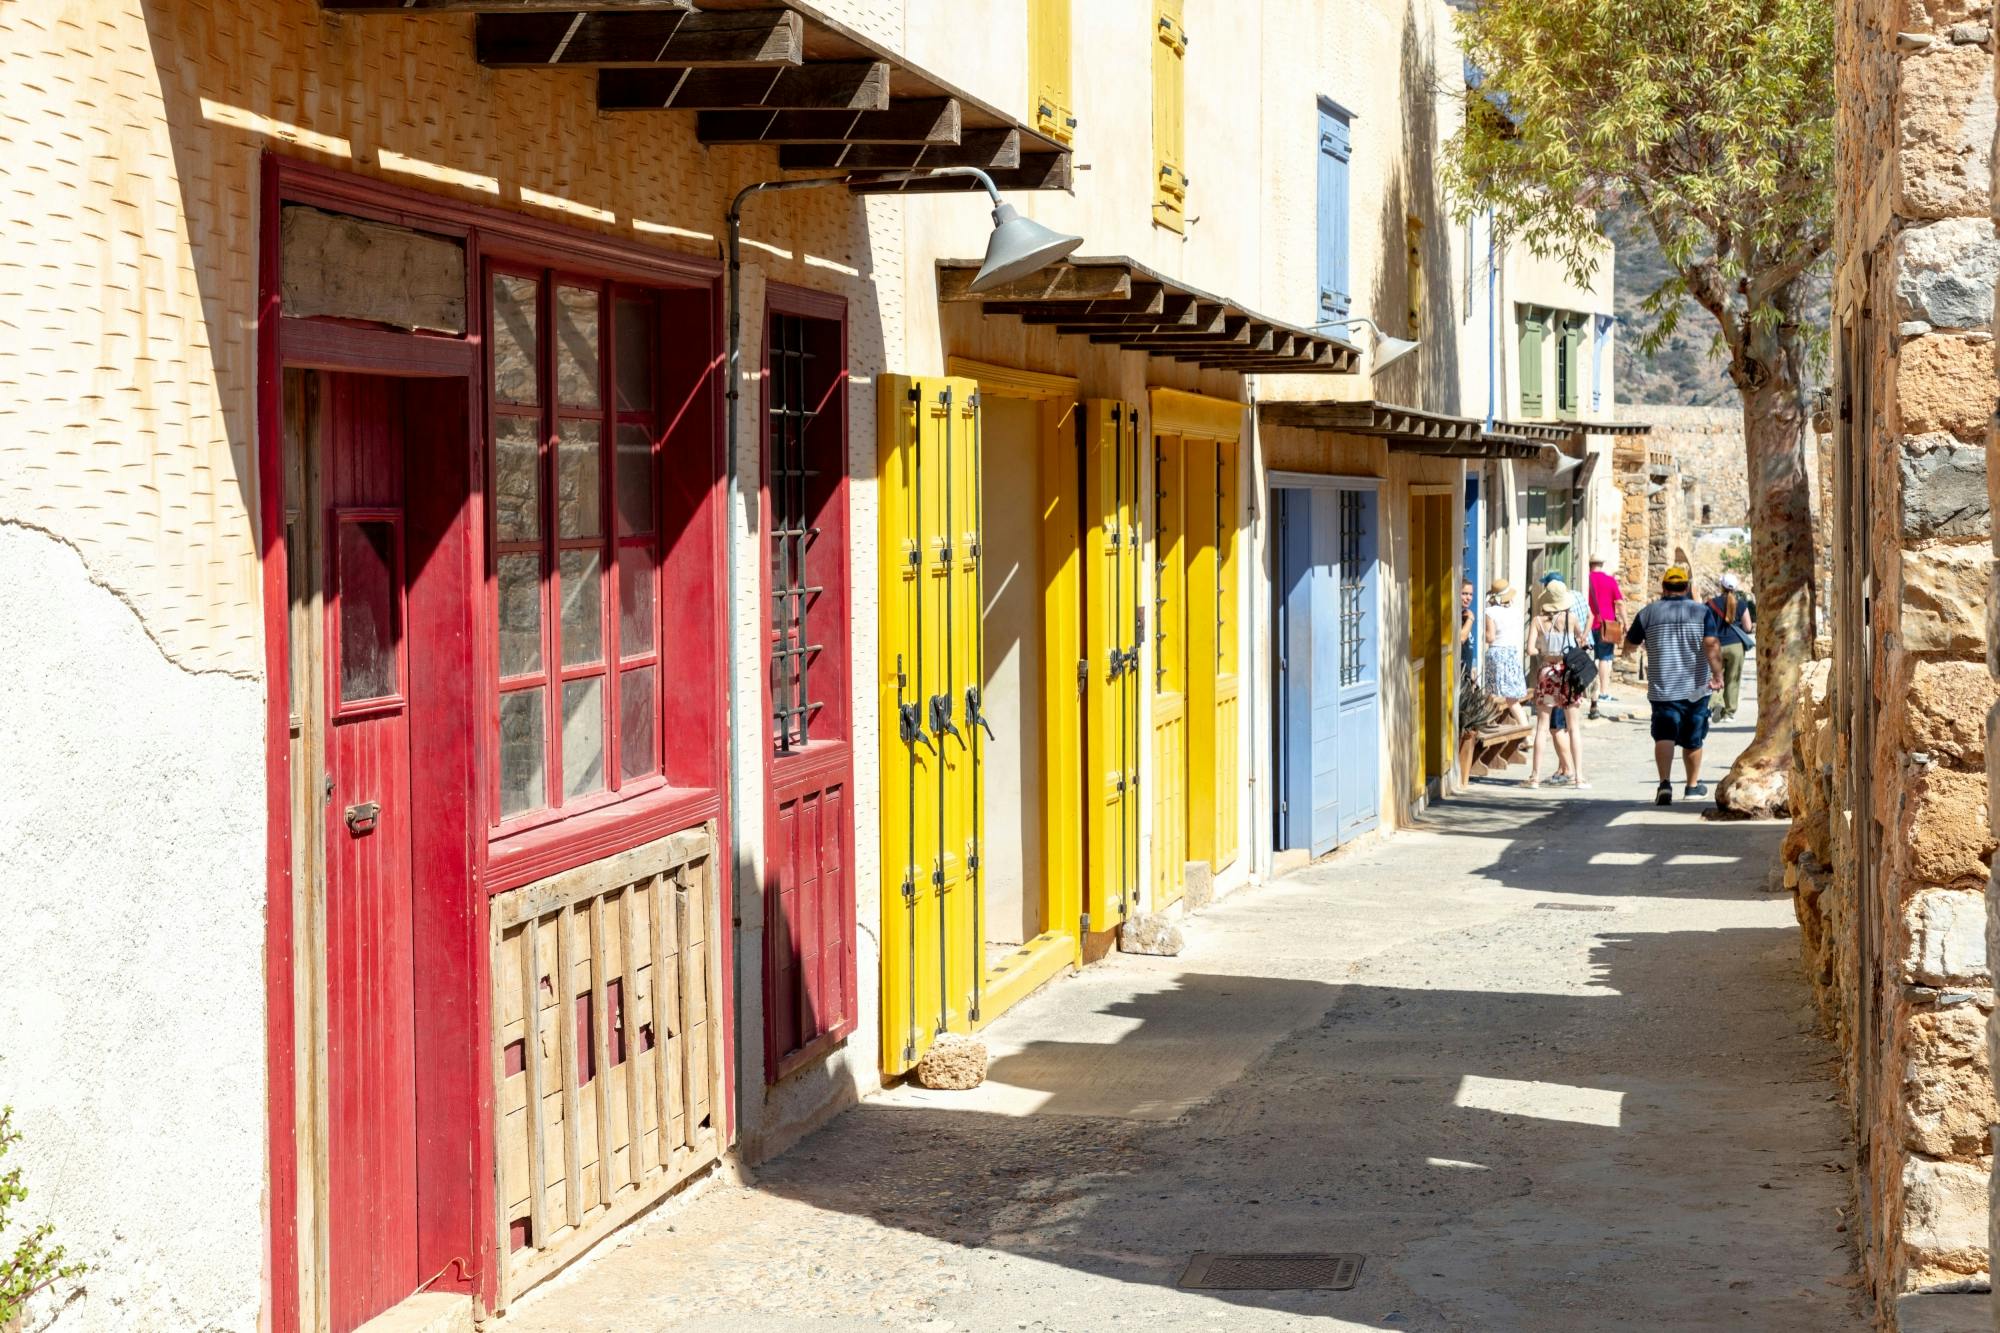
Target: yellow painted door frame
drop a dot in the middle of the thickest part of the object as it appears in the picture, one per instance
(1112, 622)
(1431, 687)
(932, 932)
(1169, 776)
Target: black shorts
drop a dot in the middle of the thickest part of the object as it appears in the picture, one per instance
(1682, 721)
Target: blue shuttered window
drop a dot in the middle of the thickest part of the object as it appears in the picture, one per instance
(1335, 148)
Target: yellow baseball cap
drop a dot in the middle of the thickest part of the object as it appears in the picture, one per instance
(1675, 574)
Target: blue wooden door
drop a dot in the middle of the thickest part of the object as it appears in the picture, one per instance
(1329, 773)
(1335, 148)
(1358, 677)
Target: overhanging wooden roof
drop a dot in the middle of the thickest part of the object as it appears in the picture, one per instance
(1414, 431)
(1120, 302)
(763, 71)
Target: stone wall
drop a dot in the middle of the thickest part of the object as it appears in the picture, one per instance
(1656, 530)
(1891, 844)
(1707, 442)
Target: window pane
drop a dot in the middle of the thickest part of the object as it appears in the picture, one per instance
(514, 339)
(636, 757)
(583, 736)
(638, 606)
(582, 585)
(633, 328)
(522, 783)
(520, 594)
(579, 492)
(517, 488)
(576, 346)
(367, 610)
(635, 478)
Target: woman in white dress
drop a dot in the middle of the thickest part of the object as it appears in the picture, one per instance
(1555, 629)
(1506, 625)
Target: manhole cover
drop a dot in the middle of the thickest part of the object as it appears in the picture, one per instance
(1575, 907)
(1212, 1271)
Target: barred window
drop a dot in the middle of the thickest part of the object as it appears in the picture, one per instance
(808, 634)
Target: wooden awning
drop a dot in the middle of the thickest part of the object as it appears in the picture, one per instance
(763, 72)
(1414, 431)
(1120, 302)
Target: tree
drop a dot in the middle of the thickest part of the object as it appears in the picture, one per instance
(1713, 122)
(33, 1264)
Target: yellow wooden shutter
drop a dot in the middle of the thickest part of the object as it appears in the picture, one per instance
(1048, 65)
(1111, 659)
(1169, 774)
(1170, 179)
(931, 782)
(1228, 693)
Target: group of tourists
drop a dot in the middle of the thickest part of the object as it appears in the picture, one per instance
(1554, 653)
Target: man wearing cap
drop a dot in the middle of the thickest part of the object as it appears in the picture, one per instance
(1683, 668)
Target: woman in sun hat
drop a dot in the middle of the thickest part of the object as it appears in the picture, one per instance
(1506, 680)
(1556, 629)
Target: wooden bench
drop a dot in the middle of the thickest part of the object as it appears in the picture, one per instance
(1481, 752)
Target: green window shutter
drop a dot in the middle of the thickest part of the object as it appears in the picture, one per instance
(1532, 329)
(1572, 366)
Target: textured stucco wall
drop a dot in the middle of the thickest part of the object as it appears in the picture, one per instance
(131, 882)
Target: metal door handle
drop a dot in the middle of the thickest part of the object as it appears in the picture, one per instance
(361, 818)
(912, 729)
(973, 715)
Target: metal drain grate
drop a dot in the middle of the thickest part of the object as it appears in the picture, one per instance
(1575, 907)
(1214, 1271)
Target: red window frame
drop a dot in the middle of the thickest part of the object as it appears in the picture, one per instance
(553, 674)
(810, 1002)
(343, 709)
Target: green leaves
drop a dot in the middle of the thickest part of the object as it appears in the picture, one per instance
(1713, 121)
(34, 1263)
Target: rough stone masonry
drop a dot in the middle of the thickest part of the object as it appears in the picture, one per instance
(1891, 848)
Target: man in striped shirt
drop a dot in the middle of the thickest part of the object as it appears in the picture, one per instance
(1682, 638)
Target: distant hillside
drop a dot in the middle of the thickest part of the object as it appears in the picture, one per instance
(1681, 373)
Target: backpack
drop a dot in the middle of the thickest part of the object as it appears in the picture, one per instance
(1579, 667)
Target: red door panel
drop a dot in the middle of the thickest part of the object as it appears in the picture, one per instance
(370, 936)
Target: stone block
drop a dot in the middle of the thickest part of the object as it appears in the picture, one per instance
(1200, 891)
(1940, 15)
(1945, 938)
(1151, 933)
(1944, 600)
(1947, 1082)
(1945, 273)
(1944, 488)
(953, 1063)
(1993, 620)
(1946, 127)
(1944, 832)
(1945, 383)
(1944, 1212)
(1945, 710)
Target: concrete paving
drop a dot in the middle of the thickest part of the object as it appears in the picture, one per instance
(1546, 1063)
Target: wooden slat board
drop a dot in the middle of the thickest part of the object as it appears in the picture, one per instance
(608, 1055)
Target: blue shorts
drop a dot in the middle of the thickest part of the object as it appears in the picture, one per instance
(1606, 649)
(1682, 721)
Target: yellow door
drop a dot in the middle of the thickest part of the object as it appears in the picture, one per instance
(1111, 659)
(1442, 730)
(1430, 623)
(1202, 585)
(930, 645)
(1420, 613)
(1227, 685)
(1170, 709)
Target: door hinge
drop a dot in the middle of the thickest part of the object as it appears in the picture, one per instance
(937, 873)
(910, 884)
(1086, 923)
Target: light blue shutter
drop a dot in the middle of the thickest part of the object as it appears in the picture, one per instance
(1335, 148)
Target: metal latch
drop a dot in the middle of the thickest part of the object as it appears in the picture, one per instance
(361, 818)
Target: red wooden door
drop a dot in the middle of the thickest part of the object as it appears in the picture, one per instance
(370, 932)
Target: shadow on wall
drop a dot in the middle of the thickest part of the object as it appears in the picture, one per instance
(1428, 378)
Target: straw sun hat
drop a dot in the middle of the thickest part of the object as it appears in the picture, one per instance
(1501, 591)
(1554, 598)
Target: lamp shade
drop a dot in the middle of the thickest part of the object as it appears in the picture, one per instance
(1387, 349)
(1018, 247)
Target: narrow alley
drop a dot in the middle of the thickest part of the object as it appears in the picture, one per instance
(1546, 1063)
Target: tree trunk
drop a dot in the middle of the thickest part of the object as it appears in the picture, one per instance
(1781, 561)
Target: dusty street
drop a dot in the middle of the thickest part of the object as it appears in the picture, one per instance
(1545, 1063)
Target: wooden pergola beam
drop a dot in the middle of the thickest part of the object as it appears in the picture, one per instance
(641, 38)
(1148, 298)
(499, 6)
(989, 149)
(843, 85)
(926, 121)
(1067, 282)
(1176, 312)
(1037, 171)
